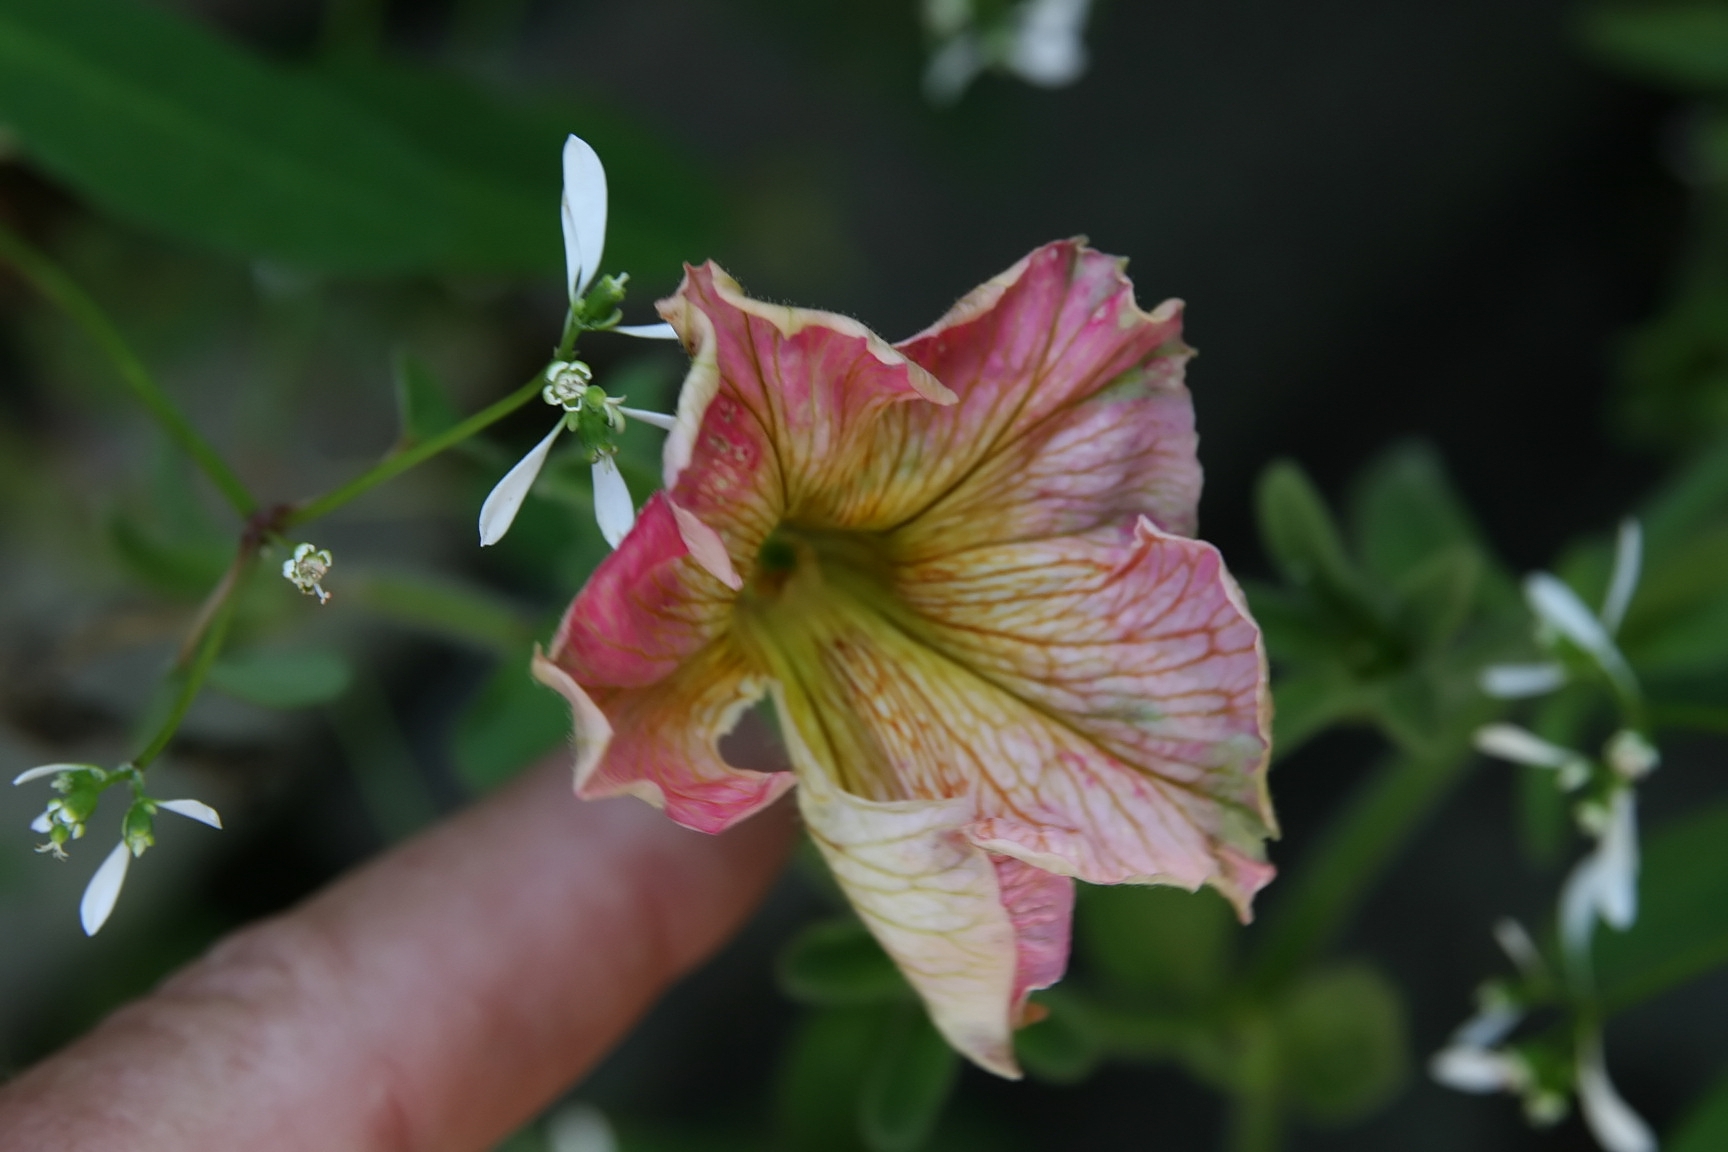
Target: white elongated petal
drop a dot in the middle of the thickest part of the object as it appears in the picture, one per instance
(952, 68)
(41, 825)
(104, 889)
(1048, 49)
(1560, 607)
(1517, 681)
(583, 212)
(1521, 746)
(1616, 1127)
(658, 419)
(1476, 1070)
(1579, 900)
(1628, 563)
(580, 1128)
(1617, 891)
(648, 331)
(192, 810)
(1488, 1027)
(612, 505)
(42, 770)
(1517, 945)
(505, 500)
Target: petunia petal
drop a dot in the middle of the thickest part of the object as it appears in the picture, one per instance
(192, 810)
(613, 507)
(505, 499)
(104, 889)
(583, 211)
(1040, 906)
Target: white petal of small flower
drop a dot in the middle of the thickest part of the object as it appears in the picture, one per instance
(104, 889)
(1477, 1070)
(1616, 1127)
(580, 1128)
(612, 505)
(1521, 746)
(1487, 1028)
(1628, 560)
(1559, 606)
(1517, 945)
(505, 500)
(1516, 681)
(583, 212)
(1048, 49)
(1617, 892)
(42, 825)
(952, 68)
(1579, 900)
(1630, 755)
(658, 419)
(192, 810)
(42, 770)
(648, 331)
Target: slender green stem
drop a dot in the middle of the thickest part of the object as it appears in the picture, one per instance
(57, 286)
(1350, 860)
(1256, 1124)
(210, 631)
(398, 462)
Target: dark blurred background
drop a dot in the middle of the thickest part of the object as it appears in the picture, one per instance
(1388, 220)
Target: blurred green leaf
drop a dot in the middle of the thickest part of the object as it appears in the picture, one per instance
(1404, 510)
(1342, 1041)
(1682, 928)
(838, 963)
(816, 1095)
(421, 404)
(908, 1083)
(283, 677)
(1705, 1128)
(165, 125)
(512, 722)
(1695, 494)
(1158, 941)
(441, 606)
(187, 569)
(1680, 44)
(1299, 532)
(1062, 1048)
(1310, 701)
(1435, 595)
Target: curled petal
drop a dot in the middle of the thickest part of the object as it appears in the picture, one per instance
(505, 500)
(42, 770)
(192, 810)
(1616, 1127)
(1040, 906)
(583, 213)
(613, 507)
(104, 889)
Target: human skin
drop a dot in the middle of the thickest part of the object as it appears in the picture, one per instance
(431, 1001)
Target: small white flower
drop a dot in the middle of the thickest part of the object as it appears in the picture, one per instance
(1630, 755)
(1628, 564)
(580, 1128)
(505, 500)
(1479, 1070)
(192, 810)
(104, 889)
(307, 570)
(1605, 883)
(1616, 1127)
(1521, 746)
(1517, 681)
(566, 383)
(1040, 41)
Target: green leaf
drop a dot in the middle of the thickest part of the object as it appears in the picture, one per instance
(1705, 1128)
(1435, 596)
(1682, 928)
(1299, 533)
(908, 1082)
(164, 125)
(1404, 510)
(440, 606)
(816, 1093)
(1310, 701)
(512, 722)
(1163, 943)
(1343, 1045)
(837, 963)
(283, 677)
(187, 569)
(423, 407)
(1062, 1048)
(1694, 495)
(1679, 44)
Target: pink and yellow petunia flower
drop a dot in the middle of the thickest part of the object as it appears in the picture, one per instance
(961, 568)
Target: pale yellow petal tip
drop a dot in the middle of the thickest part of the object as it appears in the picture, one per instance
(591, 731)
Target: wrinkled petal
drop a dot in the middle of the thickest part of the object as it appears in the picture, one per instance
(192, 810)
(1628, 561)
(104, 889)
(505, 500)
(1616, 1127)
(1040, 906)
(930, 897)
(613, 508)
(583, 213)
(1517, 681)
(648, 331)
